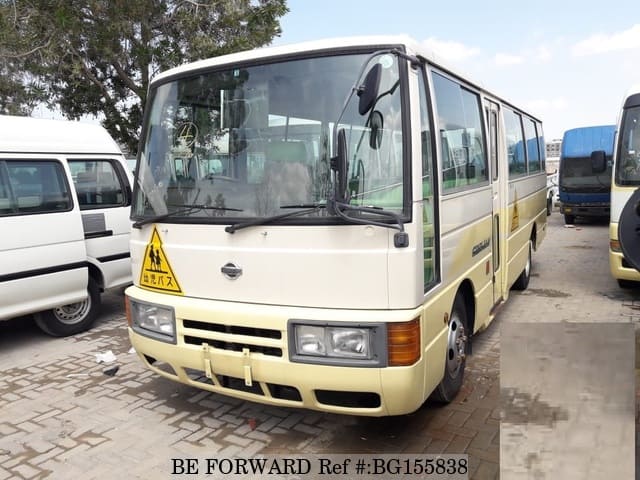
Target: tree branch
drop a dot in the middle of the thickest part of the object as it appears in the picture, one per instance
(90, 75)
(127, 79)
(30, 52)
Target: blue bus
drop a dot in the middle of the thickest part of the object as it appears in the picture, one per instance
(585, 188)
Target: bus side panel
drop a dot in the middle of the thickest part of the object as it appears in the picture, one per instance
(466, 224)
(438, 306)
(467, 245)
(527, 210)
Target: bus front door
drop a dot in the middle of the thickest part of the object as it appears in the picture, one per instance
(492, 110)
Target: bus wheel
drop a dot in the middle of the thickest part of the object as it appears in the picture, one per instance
(72, 318)
(628, 284)
(522, 282)
(549, 205)
(569, 219)
(456, 357)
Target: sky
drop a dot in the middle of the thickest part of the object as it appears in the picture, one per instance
(569, 63)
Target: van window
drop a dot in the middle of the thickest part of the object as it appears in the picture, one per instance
(5, 201)
(97, 184)
(34, 187)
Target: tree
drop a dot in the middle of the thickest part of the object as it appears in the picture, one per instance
(18, 92)
(97, 56)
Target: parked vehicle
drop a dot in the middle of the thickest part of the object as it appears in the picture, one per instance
(624, 248)
(552, 191)
(65, 196)
(585, 188)
(297, 241)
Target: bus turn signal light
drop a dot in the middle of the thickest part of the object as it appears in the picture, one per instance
(615, 245)
(127, 310)
(403, 343)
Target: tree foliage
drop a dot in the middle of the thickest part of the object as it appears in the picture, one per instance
(97, 56)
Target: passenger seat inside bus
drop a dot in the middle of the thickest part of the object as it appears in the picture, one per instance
(287, 171)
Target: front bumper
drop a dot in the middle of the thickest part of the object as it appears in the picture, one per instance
(241, 350)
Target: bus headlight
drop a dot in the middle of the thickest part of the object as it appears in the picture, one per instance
(154, 321)
(333, 344)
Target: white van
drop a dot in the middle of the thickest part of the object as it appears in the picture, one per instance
(65, 196)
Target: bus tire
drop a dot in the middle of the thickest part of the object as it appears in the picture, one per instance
(549, 205)
(627, 284)
(72, 318)
(455, 360)
(569, 219)
(522, 282)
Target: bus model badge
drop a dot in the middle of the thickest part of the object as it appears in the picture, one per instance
(231, 271)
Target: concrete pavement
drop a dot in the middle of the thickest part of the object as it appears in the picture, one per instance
(61, 416)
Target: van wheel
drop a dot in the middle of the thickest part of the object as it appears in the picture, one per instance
(569, 219)
(522, 281)
(455, 362)
(72, 318)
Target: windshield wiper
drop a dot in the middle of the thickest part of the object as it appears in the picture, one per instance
(307, 208)
(304, 205)
(400, 239)
(185, 209)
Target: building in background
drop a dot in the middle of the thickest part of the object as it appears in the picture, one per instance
(553, 154)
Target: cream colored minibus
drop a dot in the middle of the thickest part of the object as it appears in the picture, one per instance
(626, 180)
(326, 225)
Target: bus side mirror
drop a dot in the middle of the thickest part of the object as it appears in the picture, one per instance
(340, 167)
(368, 91)
(598, 161)
(376, 124)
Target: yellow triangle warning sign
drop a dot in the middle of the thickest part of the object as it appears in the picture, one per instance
(156, 273)
(515, 219)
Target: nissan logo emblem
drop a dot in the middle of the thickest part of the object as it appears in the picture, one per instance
(231, 270)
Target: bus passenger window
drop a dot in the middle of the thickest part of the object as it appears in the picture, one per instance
(515, 143)
(533, 154)
(464, 159)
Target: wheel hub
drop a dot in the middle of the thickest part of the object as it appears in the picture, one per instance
(456, 346)
(73, 312)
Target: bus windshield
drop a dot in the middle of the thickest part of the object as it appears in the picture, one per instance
(628, 163)
(578, 173)
(253, 141)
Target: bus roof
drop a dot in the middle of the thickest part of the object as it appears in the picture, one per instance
(580, 142)
(37, 135)
(632, 98)
(413, 47)
(289, 49)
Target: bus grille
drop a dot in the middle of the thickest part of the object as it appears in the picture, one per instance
(233, 338)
